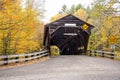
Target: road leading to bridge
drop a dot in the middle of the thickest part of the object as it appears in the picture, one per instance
(66, 68)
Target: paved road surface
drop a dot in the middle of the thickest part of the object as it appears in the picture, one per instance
(66, 68)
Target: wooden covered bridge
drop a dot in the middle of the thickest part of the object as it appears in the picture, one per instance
(70, 34)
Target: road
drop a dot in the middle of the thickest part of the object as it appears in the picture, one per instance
(66, 68)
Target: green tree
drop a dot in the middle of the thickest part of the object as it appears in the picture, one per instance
(78, 7)
(63, 9)
(72, 9)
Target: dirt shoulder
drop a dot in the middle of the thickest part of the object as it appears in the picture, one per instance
(13, 65)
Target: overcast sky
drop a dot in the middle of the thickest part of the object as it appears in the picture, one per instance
(52, 7)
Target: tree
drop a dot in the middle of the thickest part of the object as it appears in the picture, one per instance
(103, 14)
(57, 16)
(19, 27)
(79, 6)
(72, 9)
(82, 14)
(9, 22)
(63, 10)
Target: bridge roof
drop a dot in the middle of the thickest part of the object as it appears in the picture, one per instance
(69, 19)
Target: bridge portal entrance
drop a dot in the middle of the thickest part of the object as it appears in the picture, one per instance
(69, 33)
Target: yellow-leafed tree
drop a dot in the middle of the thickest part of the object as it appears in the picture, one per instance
(57, 16)
(82, 14)
(19, 28)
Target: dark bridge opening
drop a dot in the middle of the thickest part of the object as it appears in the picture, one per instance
(69, 34)
(73, 47)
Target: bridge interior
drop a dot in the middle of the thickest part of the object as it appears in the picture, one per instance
(69, 40)
(68, 34)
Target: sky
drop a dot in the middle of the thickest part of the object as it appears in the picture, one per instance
(52, 7)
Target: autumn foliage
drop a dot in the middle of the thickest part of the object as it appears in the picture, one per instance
(19, 28)
(105, 16)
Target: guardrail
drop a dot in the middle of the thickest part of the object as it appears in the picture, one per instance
(102, 54)
(4, 60)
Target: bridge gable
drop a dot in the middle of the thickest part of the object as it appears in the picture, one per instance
(70, 19)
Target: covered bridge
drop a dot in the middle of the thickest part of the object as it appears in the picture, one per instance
(70, 34)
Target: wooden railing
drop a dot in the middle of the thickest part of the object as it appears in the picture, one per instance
(4, 60)
(102, 54)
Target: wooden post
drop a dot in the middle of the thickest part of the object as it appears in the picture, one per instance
(112, 54)
(90, 52)
(95, 53)
(17, 59)
(6, 59)
(38, 55)
(32, 56)
(103, 54)
(49, 40)
(26, 57)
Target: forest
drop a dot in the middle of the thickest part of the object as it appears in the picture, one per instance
(21, 25)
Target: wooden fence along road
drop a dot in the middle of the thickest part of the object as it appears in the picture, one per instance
(22, 57)
(101, 53)
(4, 60)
